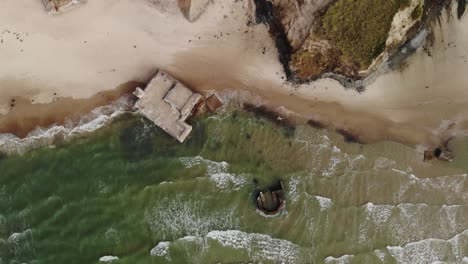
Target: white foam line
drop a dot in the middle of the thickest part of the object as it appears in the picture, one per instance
(427, 250)
(340, 260)
(424, 251)
(216, 171)
(259, 246)
(161, 250)
(40, 136)
(108, 258)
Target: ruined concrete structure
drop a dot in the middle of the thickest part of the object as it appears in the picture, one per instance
(213, 102)
(168, 103)
(270, 202)
(59, 6)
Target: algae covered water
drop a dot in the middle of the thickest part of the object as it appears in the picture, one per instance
(129, 193)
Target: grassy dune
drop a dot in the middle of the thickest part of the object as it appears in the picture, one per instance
(359, 28)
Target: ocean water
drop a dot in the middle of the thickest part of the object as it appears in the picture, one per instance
(128, 193)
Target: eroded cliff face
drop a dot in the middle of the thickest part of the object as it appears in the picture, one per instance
(350, 38)
(359, 33)
(297, 17)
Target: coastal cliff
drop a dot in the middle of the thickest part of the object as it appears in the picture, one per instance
(348, 38)
(297, 17)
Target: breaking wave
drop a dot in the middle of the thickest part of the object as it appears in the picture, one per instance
(259, 246)
(452, 250)
(175, 217)
(88, 123)
(161, 250)
(431, 250)
(216, 172)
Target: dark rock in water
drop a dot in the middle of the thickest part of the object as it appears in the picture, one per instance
(461, 8)
(3, 156)
(440, 153)
(289, 128)
(262, 111)
(349, 137)
(445, 155)
(316, 124)
(437, 152)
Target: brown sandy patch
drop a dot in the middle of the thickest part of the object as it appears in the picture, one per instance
(25, 116)
(184, 6)
(366, 126)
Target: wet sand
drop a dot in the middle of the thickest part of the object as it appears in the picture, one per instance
(25, 116)
(415, 105)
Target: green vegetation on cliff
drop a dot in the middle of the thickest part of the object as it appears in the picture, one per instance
(359, 28)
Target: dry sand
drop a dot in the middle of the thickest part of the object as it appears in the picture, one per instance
(107, 43)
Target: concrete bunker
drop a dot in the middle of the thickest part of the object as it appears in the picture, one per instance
(169, 104)
(270, 201)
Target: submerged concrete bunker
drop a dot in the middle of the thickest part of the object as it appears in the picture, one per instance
(270, 202)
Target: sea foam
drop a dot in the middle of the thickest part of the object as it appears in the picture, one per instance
(260, 247)
(108, 258)
(161, 250)
(88, 123)
(431, 250)
(216, 171)
(339, 260)
(178, 216)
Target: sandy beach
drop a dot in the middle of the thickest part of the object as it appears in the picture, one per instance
(106, 43)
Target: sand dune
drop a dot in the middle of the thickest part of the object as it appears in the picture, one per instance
(107, 43)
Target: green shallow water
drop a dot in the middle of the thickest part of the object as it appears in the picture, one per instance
(130, 191)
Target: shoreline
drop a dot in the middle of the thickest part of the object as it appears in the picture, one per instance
(219, 51)
(24, 116)
(105, 115)
(51, 135)
(122, 101)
